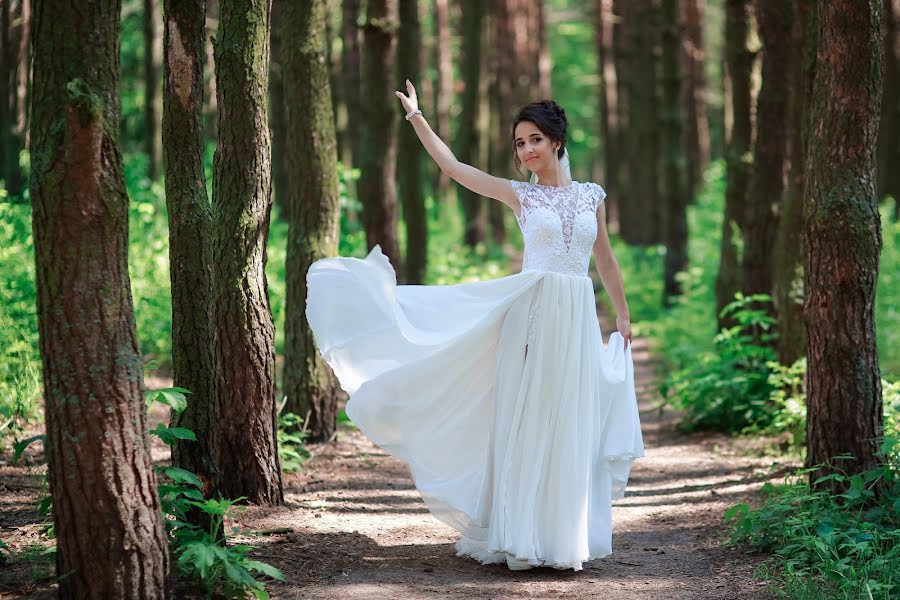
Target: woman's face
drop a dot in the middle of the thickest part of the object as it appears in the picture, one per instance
(534, 149)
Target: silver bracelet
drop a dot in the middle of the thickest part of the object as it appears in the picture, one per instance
(411, 114)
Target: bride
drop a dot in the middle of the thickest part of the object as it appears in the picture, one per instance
(518, 426)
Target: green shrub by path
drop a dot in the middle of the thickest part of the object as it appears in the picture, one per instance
(827, 545)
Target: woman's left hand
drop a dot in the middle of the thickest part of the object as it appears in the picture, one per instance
(624, 327)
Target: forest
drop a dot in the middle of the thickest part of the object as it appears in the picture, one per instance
(171, 168)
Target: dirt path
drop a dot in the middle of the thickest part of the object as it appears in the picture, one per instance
(361, 531)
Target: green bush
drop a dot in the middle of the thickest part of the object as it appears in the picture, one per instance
(729, 388)
(827, 544)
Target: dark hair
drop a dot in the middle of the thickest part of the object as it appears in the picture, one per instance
(549, 117)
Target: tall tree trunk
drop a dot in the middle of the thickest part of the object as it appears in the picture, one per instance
(190, 222)
(609, 106)
(644, 125)
(672, 149)
(18, 60)
(107, 517)
(767, 181)
(630, 217)
(739, 65)
(377, 190)
(467, 145)
(152, 90)
(789, 291)
(7, 62)
(211, 96)
(277, 127)
(309, 384)
(694, 93)
(443, 89)
(351, 82)
(409, 150)
(889, 131)
(245, 421)
(843, 239)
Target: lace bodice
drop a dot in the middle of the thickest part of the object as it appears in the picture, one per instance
(559, 225)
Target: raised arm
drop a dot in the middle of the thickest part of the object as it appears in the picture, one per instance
(478, 181)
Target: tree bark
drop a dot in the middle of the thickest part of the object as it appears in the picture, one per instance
(789, 289)
(245, 420)
(467, 140)
(672, 151)
(377, 191)
(277, 126)
(843, 239)
(152, 90)
(351, 81)
(211, 108)
(409, 150)
(694, 94)
(767, 181)
(107, 517)
(644, 126)
(309, 384)
(190, 222)
(17, 66)
(609, 107)
(739, 65)
(629, 214)
(443, 89)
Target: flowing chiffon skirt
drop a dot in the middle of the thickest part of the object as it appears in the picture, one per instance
(521, 449)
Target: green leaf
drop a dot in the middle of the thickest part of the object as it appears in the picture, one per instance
(265, 569)
(20, 446)
(173, 397)
(182, 476)
(736, 512)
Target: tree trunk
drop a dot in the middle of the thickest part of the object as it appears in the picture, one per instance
(694, 94)
(211, 97)
(629, 214)
(351, 82)
(107, 517)
(889, 131)
(152, 89)
(18, 68)
(672, 136)
(644, 125)
(609, 108)
(190, 221)
(6, 70)
(245, 423)
(789, 291)
(409, 150)
(377, 191)
(277, 127)
(443, 89)
(467, 141)
(309, 384)
(843, 239)
(739, 65)
(774, 18)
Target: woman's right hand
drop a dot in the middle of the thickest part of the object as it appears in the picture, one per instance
(409, 100)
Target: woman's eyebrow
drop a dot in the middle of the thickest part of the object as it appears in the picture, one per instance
(531, 135)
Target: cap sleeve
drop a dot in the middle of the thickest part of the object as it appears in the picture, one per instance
(596, 194)
(520, 187)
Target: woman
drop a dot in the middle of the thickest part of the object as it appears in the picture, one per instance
(518, 427)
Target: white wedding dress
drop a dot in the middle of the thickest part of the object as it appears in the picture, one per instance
(519, 428)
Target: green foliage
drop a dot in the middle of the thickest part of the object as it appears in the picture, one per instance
(729, 388)
(887, 299)
(291, 442)
(202, 553)
(20, 367)
(845, 545)
(788, 402)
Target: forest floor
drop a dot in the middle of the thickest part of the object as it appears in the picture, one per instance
(353, 526)
(362, 532)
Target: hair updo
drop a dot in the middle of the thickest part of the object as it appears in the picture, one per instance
(549, 117)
